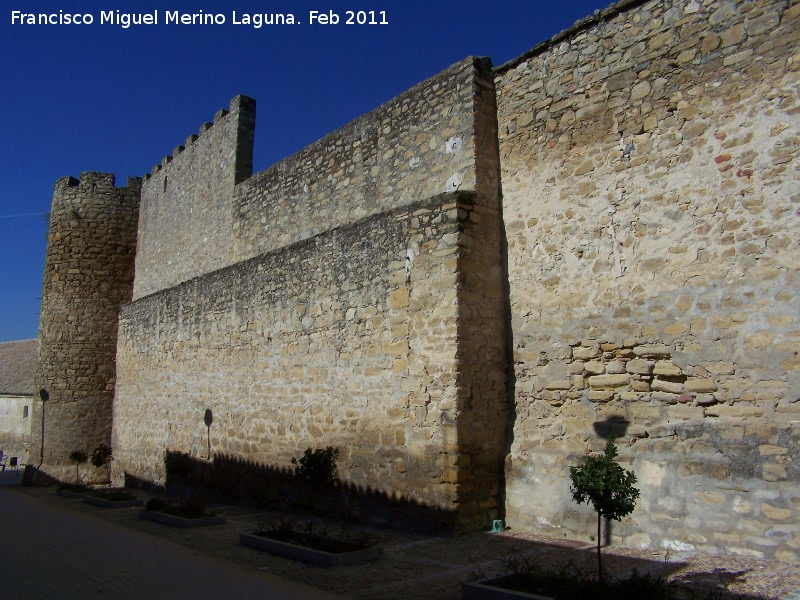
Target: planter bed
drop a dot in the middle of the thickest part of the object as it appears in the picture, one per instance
(490, 590)
(70, 494)
(323, 558)
(103, 503)
(547, 584)
(183, 522)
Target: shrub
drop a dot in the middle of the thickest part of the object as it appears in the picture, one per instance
(318, 471)
(179, 468)
(317, 468)
(155, 504)
(102, 457)
(607, 486)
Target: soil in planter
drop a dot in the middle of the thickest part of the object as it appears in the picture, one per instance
(112, 494)
(176, 511)
(571, 586)
(314, 542)
(191, 510)
(75, 488)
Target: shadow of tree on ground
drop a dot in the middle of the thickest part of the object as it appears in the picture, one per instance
(498, 556)
(436, 565)
(243, 481)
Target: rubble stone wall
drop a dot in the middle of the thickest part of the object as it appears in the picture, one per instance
(473, 286)
(345, 339)
(88, 276)
(407, 388)
(185, 219)
(420, 144)
(651, 194)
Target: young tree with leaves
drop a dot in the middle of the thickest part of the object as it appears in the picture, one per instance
(179, 467)
(102, 457)
(79, 457)
(318, 471)
(607, 486)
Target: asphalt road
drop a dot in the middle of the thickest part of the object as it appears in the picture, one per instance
(50, 553)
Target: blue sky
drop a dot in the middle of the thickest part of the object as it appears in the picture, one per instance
(103, 98)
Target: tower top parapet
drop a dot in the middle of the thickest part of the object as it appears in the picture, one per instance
(242, 105)
(91, 180)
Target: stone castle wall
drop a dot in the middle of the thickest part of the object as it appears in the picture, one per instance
(185, 221)
(353, 320)
(651, 196)
(88, 276)
(310, 345)
(420, 144)
(336, 340)
(476, 284)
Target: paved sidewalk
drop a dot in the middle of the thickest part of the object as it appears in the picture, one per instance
(53, 547)
(50, 552)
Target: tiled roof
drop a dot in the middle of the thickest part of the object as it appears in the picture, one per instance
(17, 361)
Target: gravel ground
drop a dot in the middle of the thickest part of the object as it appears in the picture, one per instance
(420, 567)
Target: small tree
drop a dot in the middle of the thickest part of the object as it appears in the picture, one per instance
(79, 457)
(179, 468)
(318, 471)
(102, 457)
(607, 486)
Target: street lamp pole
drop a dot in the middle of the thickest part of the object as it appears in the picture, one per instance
(45, 396)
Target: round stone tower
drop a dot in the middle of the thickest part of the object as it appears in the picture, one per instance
(88, 275)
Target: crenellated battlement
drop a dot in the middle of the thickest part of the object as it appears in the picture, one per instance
(66, 182)
(185, 221)
(239, 104)
(91, 180)
(94, 196)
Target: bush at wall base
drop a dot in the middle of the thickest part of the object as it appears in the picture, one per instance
(318, 471)
(78, 457)
(101, 458)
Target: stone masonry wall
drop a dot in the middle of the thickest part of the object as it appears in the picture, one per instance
(601, 236)
(417, 145)
(335, 340)
(442, 137)
(420, 144)
(650, 163)
(482, 329)
(88, 275)
(185, 219)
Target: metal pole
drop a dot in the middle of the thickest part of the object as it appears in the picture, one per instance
(45, 396)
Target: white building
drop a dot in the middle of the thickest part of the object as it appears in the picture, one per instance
(17, 362)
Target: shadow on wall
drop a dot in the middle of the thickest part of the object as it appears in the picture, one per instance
(34, 477)
(613, 427)
(238, 480)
